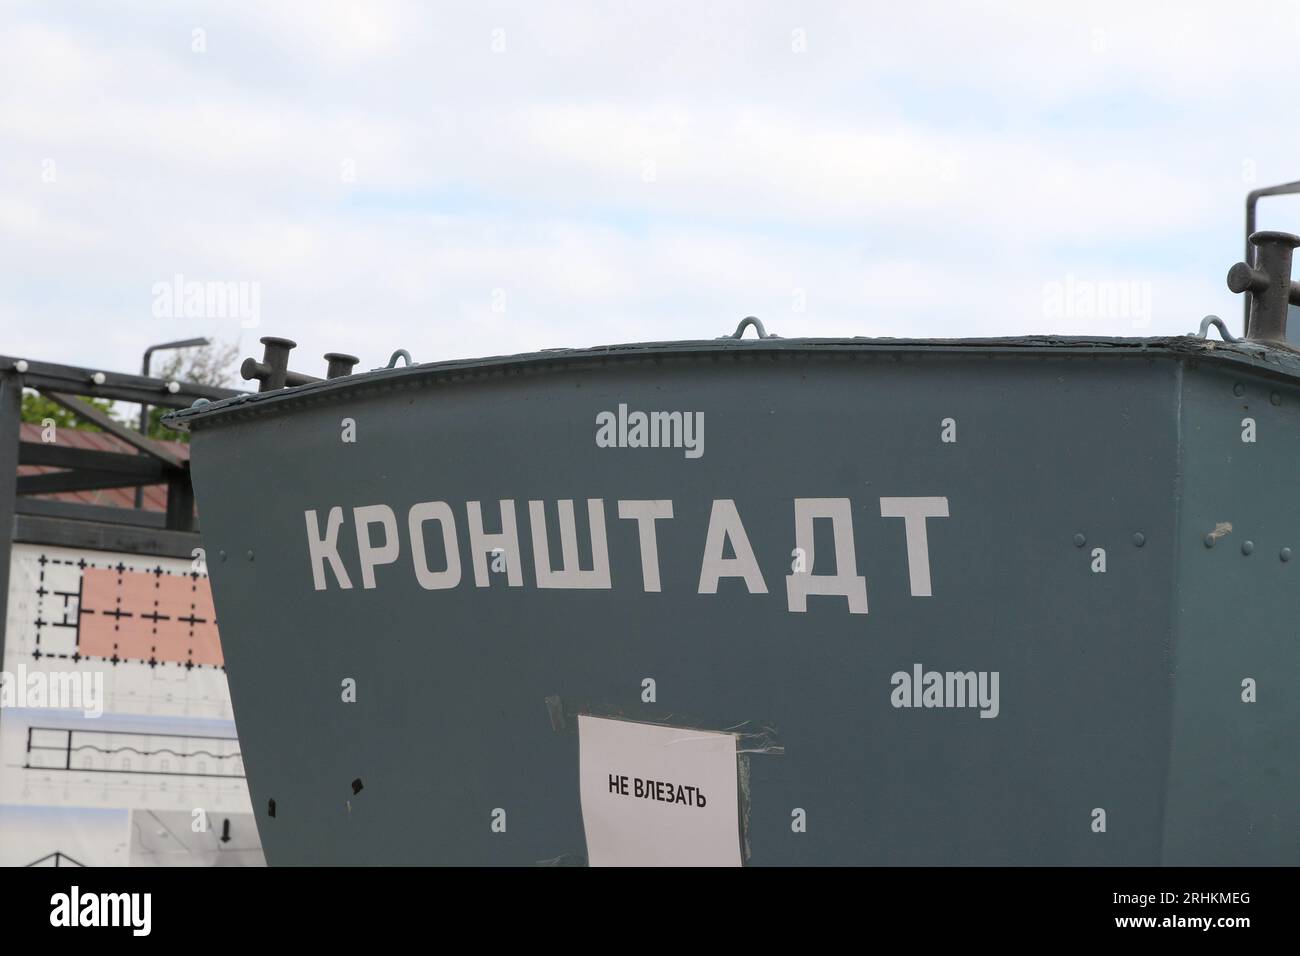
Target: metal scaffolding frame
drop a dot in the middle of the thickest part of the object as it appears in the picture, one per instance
(33, 520)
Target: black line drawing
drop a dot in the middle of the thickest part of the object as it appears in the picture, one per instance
(69, 742)
(58, 856)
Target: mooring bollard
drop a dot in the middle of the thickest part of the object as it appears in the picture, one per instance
(273, 371)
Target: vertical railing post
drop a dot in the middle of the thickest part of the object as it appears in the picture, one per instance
(11, 407)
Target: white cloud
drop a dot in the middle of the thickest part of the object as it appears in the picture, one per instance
(653, 172)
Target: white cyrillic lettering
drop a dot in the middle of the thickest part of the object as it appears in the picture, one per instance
(438, 511)
(480, 544)
(645, 513)
(724, 523)
(845, 582)
(914, 511)
(370, 555)
(570, 575)
(326, 549)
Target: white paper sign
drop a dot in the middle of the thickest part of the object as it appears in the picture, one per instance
(657, 796)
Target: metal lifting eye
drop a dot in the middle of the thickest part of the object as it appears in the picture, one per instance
(1214, 320)
(746, 323)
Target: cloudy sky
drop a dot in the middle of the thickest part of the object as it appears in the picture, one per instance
(488, 178)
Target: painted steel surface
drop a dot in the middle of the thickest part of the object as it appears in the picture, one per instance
(1118, 689)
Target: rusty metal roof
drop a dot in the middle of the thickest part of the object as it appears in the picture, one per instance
(155, 496)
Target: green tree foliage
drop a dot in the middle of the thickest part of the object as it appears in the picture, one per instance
(37, 408)
(207, 365)
(213, 364)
